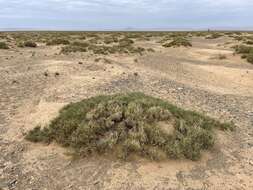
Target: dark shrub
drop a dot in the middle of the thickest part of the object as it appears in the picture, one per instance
(27, 44)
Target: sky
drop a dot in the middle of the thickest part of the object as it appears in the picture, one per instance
(126, 14)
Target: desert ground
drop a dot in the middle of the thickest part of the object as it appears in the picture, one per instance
(208, 77)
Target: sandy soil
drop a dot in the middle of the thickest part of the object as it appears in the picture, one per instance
(192, 78)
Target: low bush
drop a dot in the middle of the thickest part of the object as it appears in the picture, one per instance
(58, 41)
(124, 46)
(110, 39)
(27, 44)
(127, 124)
(222, 56)
(75, 47)
(250, 57)
(249, 42)
(214, 36)
(246, 51)
(177, 42)
(242, 49)
(3, 45)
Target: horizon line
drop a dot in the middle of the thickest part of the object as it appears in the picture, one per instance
(130, 29)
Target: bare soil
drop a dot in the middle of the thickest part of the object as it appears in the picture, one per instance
(192, 78)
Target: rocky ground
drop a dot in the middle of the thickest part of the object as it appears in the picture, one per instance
(36, 83)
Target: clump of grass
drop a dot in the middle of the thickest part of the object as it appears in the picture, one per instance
(246, 51)
(58, 41)
(3, 45)
(127, 124)
(27, 44)
(177, 42)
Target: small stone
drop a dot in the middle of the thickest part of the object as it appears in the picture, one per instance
(80, 63)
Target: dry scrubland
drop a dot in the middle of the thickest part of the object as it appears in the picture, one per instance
(126, 110)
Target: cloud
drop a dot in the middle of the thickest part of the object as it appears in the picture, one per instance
(125, 13)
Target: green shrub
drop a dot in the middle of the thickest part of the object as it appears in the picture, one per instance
(244, 56)
(250, 57)
(58, 41)
(238, 38)
(75, 47)
(242, 49)
(124, 46)
(110, 39)
(246, 51)
(222, 56)
(3, 45)
(125, 42)
(126, 124)
(177, 42)
(214, 36)
(27, 44)
(249, 42)
(150, 50)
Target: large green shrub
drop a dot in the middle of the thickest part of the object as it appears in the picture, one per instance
(177, 42)
(3, 45)
(126, 124)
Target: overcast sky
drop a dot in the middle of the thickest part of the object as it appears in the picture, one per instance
(126, 14)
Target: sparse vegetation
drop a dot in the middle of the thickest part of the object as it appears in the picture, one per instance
(3, 45)
(127, 124)
(124, 46)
